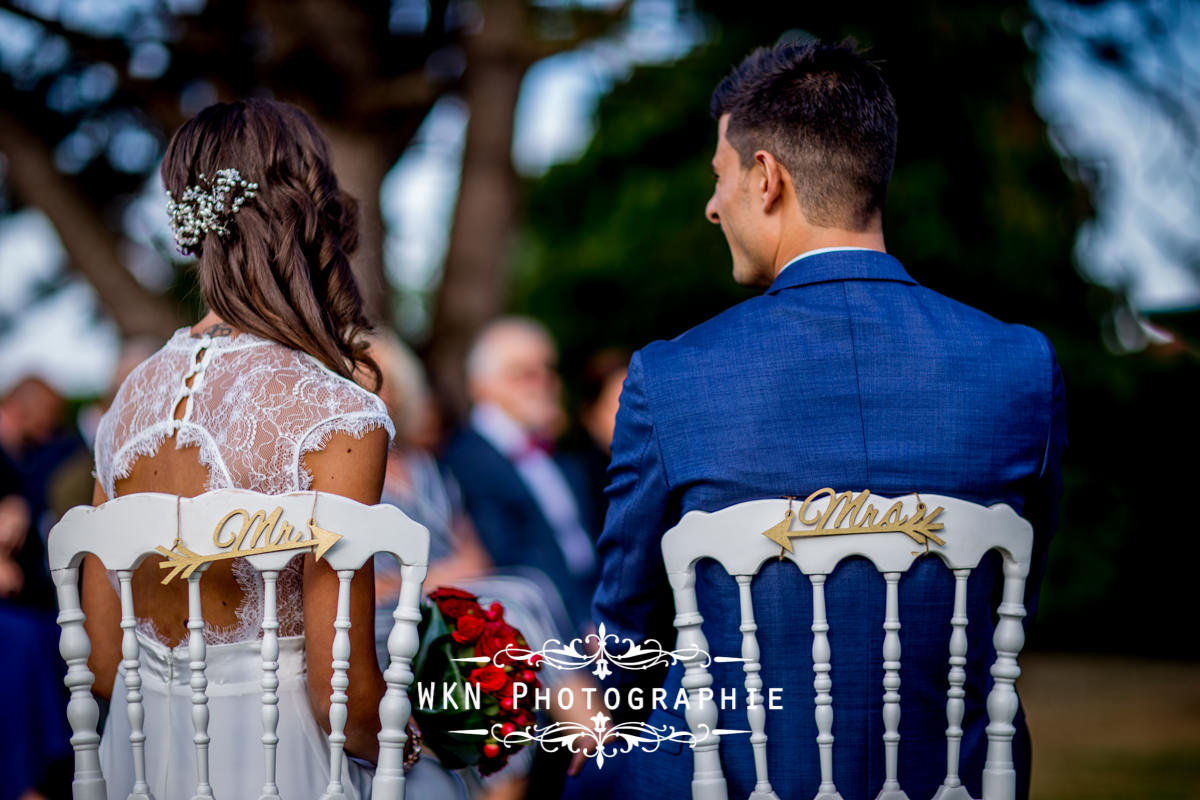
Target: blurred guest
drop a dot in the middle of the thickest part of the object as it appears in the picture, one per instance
(414, 483)
(133, 352)
(73, 482)
(35, 445)
(30, 413)
(34, 737)
(599, 396)
(530, 509)
(14, 527)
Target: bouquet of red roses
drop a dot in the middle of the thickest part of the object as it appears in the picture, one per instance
(465, 707)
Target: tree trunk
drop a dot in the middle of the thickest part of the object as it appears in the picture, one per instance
(90, 245)
(475, 278)
(361, 161)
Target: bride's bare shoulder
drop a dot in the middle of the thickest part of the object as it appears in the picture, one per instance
(351, 466)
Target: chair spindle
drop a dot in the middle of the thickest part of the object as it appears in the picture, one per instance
(339, 683)
(270, 682)
(708, 782)
(395, 707)
(822, 684)
(891, 691)
(952, 788)
(199, 684)
(999, 775)
(82, 711)
(756, 712)
(133, 687)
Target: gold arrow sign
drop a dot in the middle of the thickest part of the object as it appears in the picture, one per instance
(274, 536)
(861, 518)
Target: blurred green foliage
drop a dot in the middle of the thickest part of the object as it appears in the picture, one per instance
(616, 251)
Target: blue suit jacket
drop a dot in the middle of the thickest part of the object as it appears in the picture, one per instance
(510, 524)
(846, 374)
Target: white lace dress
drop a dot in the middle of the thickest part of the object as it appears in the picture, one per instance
(254, 408)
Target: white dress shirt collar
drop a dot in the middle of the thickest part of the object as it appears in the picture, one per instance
(500, 430)
(818, 251)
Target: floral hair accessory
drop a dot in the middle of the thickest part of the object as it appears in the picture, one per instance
(207, 207)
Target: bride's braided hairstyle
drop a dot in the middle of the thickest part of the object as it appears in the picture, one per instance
(280, 268)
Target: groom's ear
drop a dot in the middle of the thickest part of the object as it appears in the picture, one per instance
(770, 177)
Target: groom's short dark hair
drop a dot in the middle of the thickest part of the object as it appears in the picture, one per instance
(825, 113)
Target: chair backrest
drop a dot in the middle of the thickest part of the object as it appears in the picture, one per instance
(268, 530)
(825, 529)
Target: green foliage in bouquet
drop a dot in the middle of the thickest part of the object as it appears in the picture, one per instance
(454, 626)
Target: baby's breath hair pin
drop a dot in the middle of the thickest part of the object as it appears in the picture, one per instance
(207, 207)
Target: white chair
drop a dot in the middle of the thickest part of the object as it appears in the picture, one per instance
(742, 537)
(123, 532)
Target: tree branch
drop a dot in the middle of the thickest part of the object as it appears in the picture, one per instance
(91, 247)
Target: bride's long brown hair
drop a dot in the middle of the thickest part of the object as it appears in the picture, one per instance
(281, 269)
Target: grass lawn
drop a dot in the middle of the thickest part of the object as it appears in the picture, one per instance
(1112, 728)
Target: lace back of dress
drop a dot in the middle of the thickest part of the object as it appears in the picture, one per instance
(253, 409)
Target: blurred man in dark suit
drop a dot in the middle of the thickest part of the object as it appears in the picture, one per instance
(530, 507)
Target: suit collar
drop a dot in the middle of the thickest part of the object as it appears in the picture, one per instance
(499, 430)
(840, 265)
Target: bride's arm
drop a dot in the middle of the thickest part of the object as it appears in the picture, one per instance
(353, 468)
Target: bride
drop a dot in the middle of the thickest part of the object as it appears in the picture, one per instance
(257, 395)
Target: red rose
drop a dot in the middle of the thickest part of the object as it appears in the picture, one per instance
(468, 629)
(494, 758)
(495, 611)
(492, 680)
(454, 603)
(497, 635)
(444, 592)
(522, 718)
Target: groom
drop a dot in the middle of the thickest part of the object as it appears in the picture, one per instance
(845, 373)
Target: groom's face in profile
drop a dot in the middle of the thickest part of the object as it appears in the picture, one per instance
(736, 207)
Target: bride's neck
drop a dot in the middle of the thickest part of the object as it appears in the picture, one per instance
(212, 325)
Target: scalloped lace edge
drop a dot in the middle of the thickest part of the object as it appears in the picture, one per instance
(249, 612)
(356, 425)
(151, 440)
